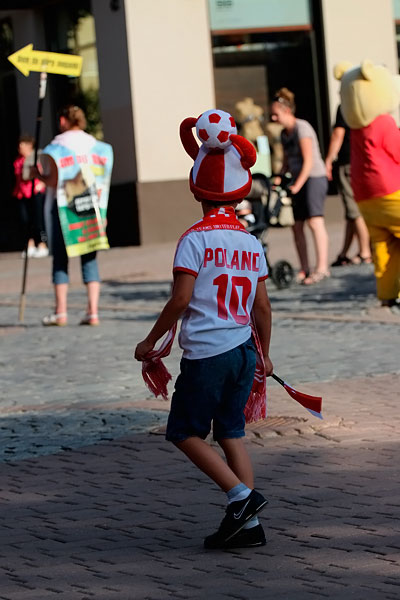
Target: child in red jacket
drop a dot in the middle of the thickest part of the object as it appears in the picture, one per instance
(30, 206)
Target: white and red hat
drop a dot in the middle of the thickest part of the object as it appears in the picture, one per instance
(221, 165)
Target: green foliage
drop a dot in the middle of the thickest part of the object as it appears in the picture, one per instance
(89, 101)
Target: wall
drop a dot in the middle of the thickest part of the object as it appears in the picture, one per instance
(171, 77)
(171, 74)
(355, 30)
(115, 88)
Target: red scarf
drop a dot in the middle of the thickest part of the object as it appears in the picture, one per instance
(218, 218)
(156, 375)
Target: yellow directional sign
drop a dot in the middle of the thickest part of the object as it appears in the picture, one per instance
(27, 59)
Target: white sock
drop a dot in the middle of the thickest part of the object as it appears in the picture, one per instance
(239, 492)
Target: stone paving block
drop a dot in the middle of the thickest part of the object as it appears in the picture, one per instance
(91, 522)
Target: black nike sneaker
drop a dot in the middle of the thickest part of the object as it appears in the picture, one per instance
(237, 515)
(246, 538)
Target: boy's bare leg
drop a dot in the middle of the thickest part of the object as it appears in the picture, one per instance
(238, 460)
(210, 462)
(237, 474)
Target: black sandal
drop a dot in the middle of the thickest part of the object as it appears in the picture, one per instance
(342, 261)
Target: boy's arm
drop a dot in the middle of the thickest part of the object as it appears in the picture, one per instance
(181, 294)
(262, 321)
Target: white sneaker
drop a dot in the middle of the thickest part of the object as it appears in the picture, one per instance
(40, 252)
(31, 252)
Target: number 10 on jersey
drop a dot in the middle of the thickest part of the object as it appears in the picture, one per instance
(233, 305)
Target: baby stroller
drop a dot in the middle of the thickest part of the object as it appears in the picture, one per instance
(268, 205)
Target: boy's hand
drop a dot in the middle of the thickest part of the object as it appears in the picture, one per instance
(269, 367)
(142, 349)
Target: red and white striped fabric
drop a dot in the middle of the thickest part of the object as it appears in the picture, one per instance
(219, 174)
(221, 170)
(256, 406)
(155, 374)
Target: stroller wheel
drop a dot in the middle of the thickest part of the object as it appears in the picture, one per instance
(282, 274)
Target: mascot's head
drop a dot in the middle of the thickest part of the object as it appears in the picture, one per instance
(366, 92)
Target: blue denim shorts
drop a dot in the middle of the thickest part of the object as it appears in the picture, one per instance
(213, 391)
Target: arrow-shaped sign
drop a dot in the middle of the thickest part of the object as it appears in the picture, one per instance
(27, 59)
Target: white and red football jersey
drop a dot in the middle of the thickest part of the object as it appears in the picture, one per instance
(228, 263)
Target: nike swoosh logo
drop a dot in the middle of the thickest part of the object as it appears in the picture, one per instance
(239, 514)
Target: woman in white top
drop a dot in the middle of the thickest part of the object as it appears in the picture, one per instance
(72, 123)
(302, 158)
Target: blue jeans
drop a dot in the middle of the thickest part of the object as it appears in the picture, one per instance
(90, 271)
(213, 389)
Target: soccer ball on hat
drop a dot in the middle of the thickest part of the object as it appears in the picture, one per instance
(214, 127)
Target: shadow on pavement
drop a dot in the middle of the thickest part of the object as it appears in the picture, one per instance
(129, 518)
(352, 287)
(40, 433)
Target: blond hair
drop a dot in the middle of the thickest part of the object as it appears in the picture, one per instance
(285, 97)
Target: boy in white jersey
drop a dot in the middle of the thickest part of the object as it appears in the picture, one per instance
(219, 279)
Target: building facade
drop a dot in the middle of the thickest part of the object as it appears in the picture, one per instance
(148, 64)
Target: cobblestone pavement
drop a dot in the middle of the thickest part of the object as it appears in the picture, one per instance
(66, 387)
(95, 506)
(126, 519)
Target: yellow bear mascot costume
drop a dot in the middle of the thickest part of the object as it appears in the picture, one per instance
(368, 94)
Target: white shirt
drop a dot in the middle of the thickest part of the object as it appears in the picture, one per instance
(76, 139)
(228, 265)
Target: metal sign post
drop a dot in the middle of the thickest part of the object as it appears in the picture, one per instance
(26, 60)
(42, 94)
